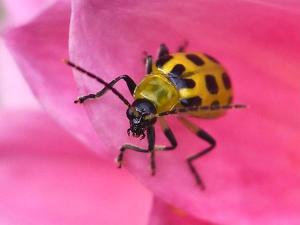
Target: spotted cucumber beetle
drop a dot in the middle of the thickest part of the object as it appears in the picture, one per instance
(186, 84)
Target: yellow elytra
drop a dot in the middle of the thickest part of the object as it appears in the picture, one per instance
(184, 80)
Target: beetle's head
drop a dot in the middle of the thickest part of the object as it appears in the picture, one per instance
(140, 115)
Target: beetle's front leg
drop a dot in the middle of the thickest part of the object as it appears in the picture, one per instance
(151, 143)
(128, 147)
(129, 82)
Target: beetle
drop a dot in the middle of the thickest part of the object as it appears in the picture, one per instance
(186, 84)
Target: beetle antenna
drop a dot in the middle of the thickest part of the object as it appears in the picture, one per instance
(100, 80)
(200, 108)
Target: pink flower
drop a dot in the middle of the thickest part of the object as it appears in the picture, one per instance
(252, 177)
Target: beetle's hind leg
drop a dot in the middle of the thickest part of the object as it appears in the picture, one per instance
(163, 51)
(204, 136)
(183, 46)
(148, 64)
(147, 60)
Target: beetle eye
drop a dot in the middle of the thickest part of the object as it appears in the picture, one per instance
(132, 113)
(129, 114)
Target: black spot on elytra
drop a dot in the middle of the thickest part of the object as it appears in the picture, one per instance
(195, 59)
(194, 101)
(226, 81)
(177, 70)
(211, 84)
(182, 83)
(229, 101)
(189, 83)
(163, 60)
(211, 58)
(179, 82)
(215, 105)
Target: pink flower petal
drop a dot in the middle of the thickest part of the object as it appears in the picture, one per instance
(163, 213)
(39, 53)
(256, 161)
(16, 12)
(49, 178)
(252, 166)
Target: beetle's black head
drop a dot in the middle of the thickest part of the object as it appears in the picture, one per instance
(139, 115)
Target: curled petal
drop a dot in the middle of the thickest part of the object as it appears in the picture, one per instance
(39, 49)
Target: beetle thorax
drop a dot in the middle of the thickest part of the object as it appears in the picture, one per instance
(159, 90)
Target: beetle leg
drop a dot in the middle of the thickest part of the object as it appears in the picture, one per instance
(169, 134)
(130, 84)
(100, 80)
(183, 46)
(128, 147)
(150, 149)
(148, 64)
(204, 136)
(163, 50)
